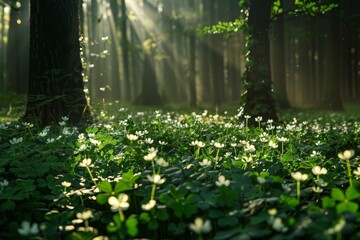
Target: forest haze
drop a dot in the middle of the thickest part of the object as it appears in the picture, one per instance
(179, 119)
(148, 52)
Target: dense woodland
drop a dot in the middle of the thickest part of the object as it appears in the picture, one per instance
(179, 119)
(150, 52)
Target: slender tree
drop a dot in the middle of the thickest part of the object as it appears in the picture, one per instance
(258, 97)
(125, 50)
(55, 75)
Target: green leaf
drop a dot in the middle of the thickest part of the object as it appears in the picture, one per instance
(260, 218)
(192, 198)
(131, 225)
(228, 221)
(153, 225)
(162, 214)
(102, 198)
(7, 206)
(347, 207)
(105, 186)
(337, 194)
(190, 210)
(177, 208)
(145, 217)
(178, 193)
(214, 213)
(128, 176)
(226, 197)
(111, 228)
(122, 186)
(227, 234)
(81, 235)
(327, 202)
(290, 201)
(177, 229)
(166, 199)
(351, 193)
(92, 130)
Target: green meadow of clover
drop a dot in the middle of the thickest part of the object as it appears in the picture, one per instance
(167, 175)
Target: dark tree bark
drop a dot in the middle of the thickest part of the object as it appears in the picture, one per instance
(332, 93)
(18, 49)
(149, 95)
(3, 79)
(233, 54)
(55, 75)
(217, 58)
(259, 100)
(192, 56)
(204, 58)
(278, 73)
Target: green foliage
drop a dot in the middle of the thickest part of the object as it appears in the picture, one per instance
(312, 8)
(226, 28)
(153, 175)
(302, 7)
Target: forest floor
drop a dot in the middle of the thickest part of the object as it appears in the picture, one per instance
(162, 174)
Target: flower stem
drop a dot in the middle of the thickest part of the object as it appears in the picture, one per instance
(349, 172)
(217, 156)
(298, 190)
(121, 214)
(91, 176)
(153, 191)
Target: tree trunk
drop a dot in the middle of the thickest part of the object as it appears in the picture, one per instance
(278, 73)
(55, 77)
(204, 58)
(18, 49)
(125, 54)
(3, 79)
(259, 100)
(192, 56)
(331, 74)
(149, 94)
(170, 89)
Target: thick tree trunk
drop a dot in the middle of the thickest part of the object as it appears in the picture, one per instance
(278, 73)
(149, 94)
(259, 99)
(217, 59)
(3, 79)
(332, 93)
(192, 58)
(55, 78)
(18, 49)
(204, 58)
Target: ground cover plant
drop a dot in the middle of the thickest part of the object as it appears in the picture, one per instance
(170, 175)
